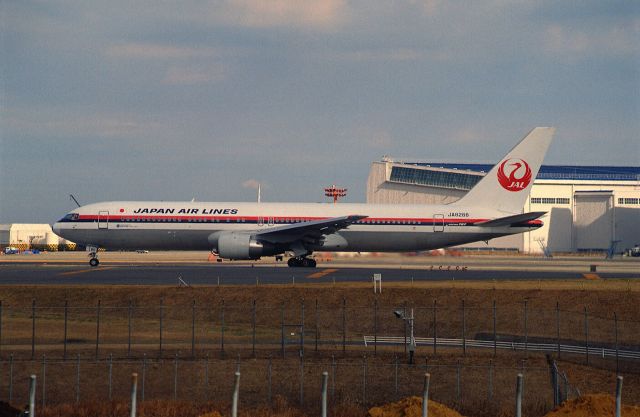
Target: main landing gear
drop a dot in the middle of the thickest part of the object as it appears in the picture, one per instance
(93, 256)
(301, 261)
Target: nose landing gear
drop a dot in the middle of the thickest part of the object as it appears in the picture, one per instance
(301, 261)
(93, 255)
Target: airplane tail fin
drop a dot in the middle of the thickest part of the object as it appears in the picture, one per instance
(509, 182)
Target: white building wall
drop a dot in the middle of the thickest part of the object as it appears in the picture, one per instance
(565, 228)
(25, 236)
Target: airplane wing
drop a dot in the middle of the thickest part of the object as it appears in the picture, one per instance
(512, 220)
(311, 231)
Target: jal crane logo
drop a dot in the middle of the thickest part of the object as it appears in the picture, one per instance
(514, 174)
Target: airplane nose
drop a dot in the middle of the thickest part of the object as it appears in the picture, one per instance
(56, 228)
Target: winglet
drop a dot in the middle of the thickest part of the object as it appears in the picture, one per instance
(507, 185)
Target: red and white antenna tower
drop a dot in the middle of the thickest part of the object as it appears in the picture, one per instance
(335, 192)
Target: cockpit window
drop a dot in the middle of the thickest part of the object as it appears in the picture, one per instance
(71, 217)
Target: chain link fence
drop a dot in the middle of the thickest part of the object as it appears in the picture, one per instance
(223, 329)
(366, 382)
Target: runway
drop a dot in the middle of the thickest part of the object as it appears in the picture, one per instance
(228, 274)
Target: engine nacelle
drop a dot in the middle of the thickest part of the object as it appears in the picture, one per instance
(235, 245)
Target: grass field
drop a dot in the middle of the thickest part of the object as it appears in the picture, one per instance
(364, 377)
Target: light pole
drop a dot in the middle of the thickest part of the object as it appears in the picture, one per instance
(412, 340)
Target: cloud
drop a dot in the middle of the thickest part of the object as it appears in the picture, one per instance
(194, 75)
(429, 7)
(618, 40)
(302, 14)
(158, 51)
(251, 183)
(389, 54)
(49, 122)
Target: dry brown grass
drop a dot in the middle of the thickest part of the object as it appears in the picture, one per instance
(601, 299)
(280, 408)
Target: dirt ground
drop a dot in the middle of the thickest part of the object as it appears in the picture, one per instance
(592, 405)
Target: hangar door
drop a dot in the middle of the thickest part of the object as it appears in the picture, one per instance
(593, 220)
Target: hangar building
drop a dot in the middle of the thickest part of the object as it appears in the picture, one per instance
(588, 207)
(32, 236)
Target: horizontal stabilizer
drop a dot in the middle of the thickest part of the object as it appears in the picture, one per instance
(512, 220)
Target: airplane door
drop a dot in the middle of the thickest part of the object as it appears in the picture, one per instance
(103, 220)
(438, 222)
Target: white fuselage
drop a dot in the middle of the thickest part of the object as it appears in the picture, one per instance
(188, 225)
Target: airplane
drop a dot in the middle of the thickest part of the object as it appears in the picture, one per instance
(249, 231)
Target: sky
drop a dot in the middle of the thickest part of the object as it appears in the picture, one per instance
(162, 100)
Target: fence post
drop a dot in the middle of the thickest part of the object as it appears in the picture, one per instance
(344, 325)
(404, 322)
(33, 329)
(586, 334)
(495, 339)
(253, 329)
(269, 370)
(301, 380)
(129, 314)
(325, 377)
(490, 384)
(11, 378)
(32, 395)
(395, 378)
(110, 374)
(282, 328)
(458, 387)
(236, 395)
(302, 327)
(375, 327)
(558, 327)
(97, 329)
(175, 378)
(334, 367)
(555, 383)
(618, 395)
(364, 379)
(206, 370)
(193, 329)
(435, 325)
(317, 323)
(464, 328)
(78, 378)
(615, 325)
(526, 329)
(222, 329)
(519, 396)
(134, 393)
(425, 395)
(144, 375)
(66, 313)
(44, 378)
(0, 327)
(160, 329)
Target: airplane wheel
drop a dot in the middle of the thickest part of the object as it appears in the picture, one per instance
(306, 263)
(94, 262)
(312, 263)
(292, 262)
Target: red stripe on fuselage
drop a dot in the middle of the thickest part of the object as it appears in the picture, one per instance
(291, 219)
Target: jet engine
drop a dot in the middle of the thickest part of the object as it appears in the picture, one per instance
(236, 245)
